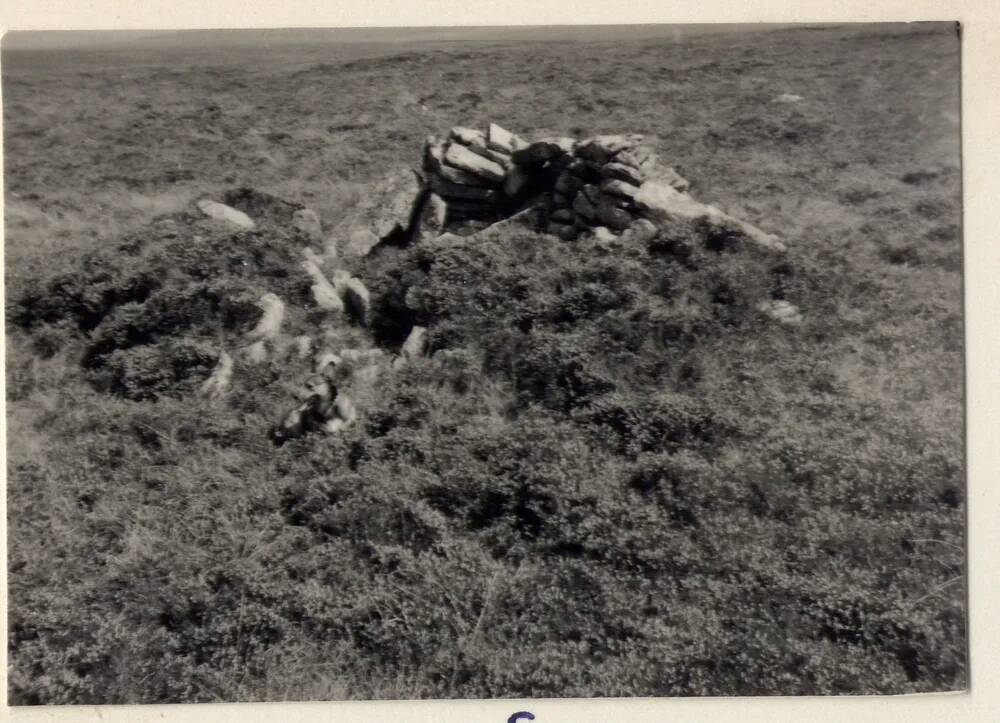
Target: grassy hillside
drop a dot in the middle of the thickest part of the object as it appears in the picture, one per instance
(612, 478)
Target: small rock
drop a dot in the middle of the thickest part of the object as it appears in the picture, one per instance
(623, 172)
(345, 413)
(269, 325)
(216, 385)
(358, 300)
(620, 189)
(222, 212)
(611, 215)
(256, 353)
(788, 98)
(415, 345)
(641, 231)
(325, 360)
(460, 157)
(324, 293)
(307, 222)
(391, 202)
(469, 137)
(303, 346)
(567, 232)
(432, 218)
(781, 311)
(339, 278)
(602, 234)
(568, 183)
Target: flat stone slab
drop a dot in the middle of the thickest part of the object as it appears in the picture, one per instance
(228, 214)
(460, 157)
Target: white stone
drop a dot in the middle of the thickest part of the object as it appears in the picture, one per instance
(358, 300)
(781, 311)
(269, 325)
(324, 293)
(460, 157)
(222, 212)
(661, 203)
(415, 345)
(216, 385)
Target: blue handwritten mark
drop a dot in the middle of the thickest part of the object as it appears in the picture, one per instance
(519, 715)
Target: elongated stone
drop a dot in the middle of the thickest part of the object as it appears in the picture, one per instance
(500, 139)
(619, 188)
(468, 136)
(623, 172)
(460, 157)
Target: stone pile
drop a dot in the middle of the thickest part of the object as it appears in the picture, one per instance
(610, 188)
(610, 185)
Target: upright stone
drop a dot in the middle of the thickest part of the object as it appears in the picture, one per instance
(358, 300)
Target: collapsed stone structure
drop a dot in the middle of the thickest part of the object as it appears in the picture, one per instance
(611, 188)
(610, 182)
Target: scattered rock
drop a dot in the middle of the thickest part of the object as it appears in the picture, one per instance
(432, 218)
(611, 215)
(303, 345)
(415, 345)
(565, 231)
(216, 385)
(641, 231)
(269, 325)
(256, 353)
(781, 311)
(788, 98)
(324, 293)
(358, 300)
(228, 214)
(620, 189)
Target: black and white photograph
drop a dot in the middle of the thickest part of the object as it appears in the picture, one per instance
(493, 362)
